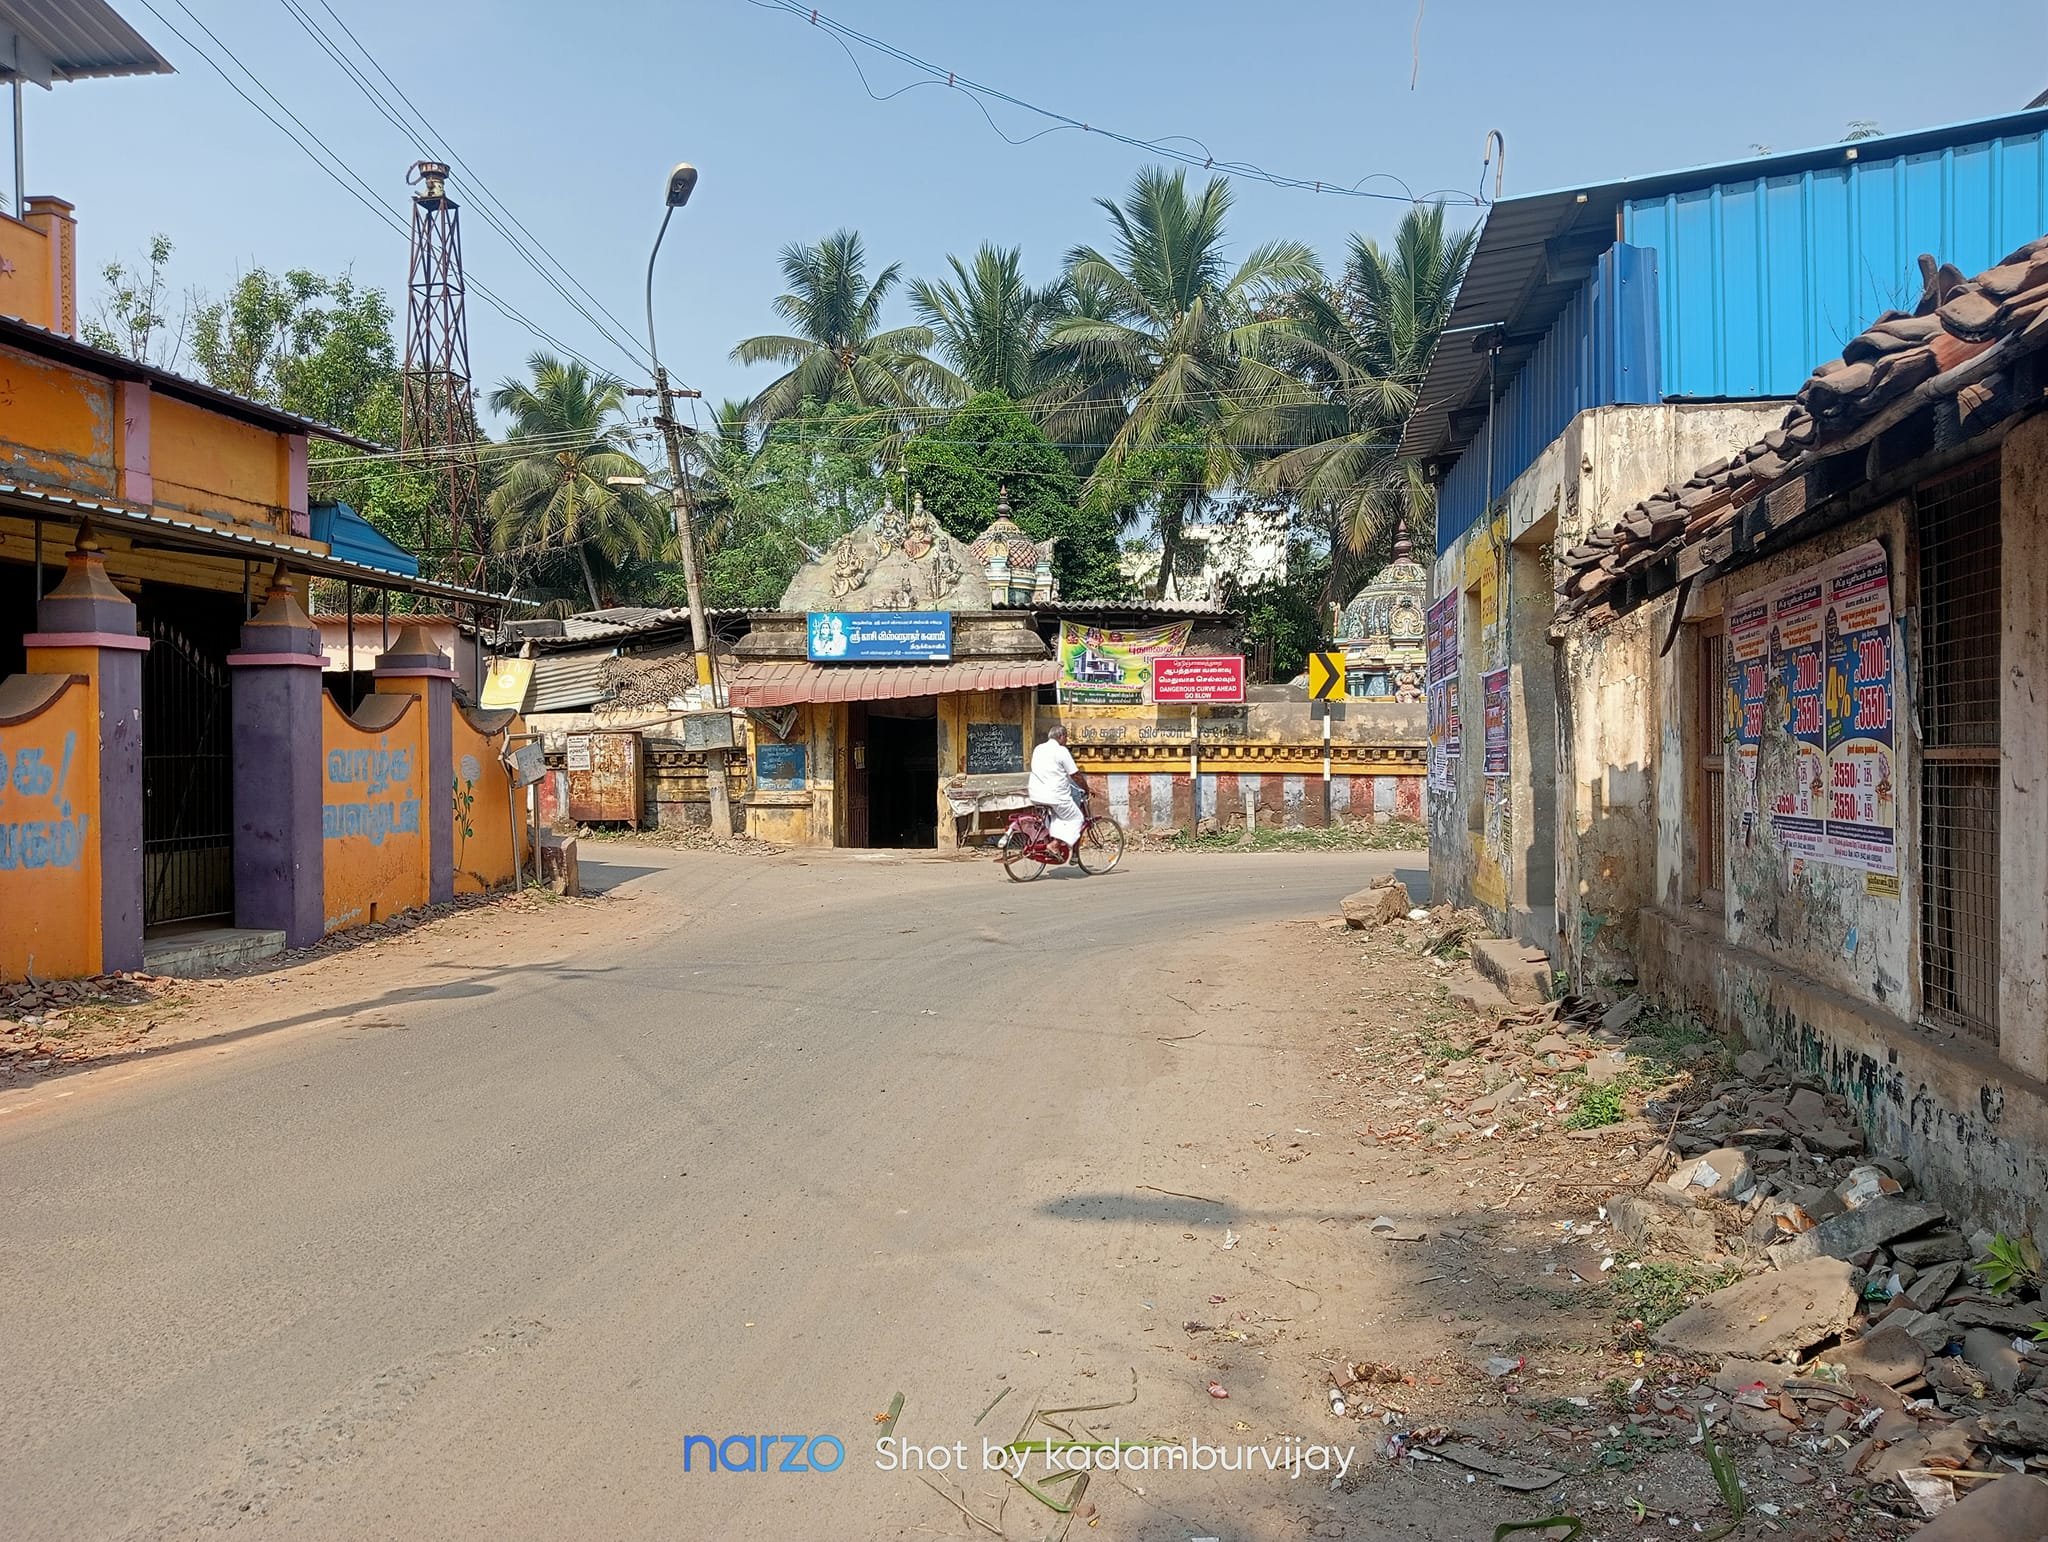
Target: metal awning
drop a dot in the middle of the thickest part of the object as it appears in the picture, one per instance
(45, 41)
(146, 527)
(784, 683)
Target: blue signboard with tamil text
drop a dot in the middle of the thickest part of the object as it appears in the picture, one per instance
(779, 767)
(879, 636)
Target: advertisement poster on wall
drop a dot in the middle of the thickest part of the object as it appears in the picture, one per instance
(1826, 633)
(1747, 673)
(1863, 811)
(1440, 692)
(1494, 688)
(1112, 666)
(1797, 809)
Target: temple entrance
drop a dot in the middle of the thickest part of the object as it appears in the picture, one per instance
(903, 772)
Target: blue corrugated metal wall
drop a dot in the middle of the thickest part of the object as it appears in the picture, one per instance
(1761, 280)
(1602, 350)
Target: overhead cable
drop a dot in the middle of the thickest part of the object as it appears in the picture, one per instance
(1172, 147)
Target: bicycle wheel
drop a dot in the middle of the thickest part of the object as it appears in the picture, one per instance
(1101, 845)
(1021, 857)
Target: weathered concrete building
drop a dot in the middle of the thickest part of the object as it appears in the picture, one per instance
(177, 784)
(1834, 638)
(1605, 342)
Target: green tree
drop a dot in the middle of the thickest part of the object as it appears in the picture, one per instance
(782, 495)
(989, 324)
(323, 348)
(1353, 355)
(1179, 336)
(1284, 617)
(838, 352)
(962, 465)
(132, 317)
(559, 497)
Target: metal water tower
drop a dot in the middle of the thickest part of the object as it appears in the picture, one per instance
(439, 430)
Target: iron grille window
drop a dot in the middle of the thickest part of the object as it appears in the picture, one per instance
(1710, 805)
(1960, 625)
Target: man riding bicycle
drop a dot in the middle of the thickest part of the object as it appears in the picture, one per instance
(1055, 779)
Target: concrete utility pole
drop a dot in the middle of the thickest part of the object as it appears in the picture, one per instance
(681, 182)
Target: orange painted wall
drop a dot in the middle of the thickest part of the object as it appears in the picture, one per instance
(483, 825)
(373, 814)
(57, 425)
(49, 827)
(205, 463)
(24, 272)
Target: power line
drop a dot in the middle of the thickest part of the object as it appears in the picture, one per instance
(357, 188)
(1167, 148)
(414, 125)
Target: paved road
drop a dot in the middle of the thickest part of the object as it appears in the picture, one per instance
(828, 1129)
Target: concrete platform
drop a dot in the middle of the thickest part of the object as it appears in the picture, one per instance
(190, 953)
(1519, 972)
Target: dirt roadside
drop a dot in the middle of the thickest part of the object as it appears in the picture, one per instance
(1462, 1306)
(50, 1030)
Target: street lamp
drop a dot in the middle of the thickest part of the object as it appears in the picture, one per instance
(682, 181)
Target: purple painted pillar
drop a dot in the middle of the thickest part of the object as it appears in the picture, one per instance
(85, 616)
(279, 871)
(414, 665)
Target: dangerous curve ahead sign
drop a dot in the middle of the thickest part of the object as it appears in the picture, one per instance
(1197, 679)
(1326, 677)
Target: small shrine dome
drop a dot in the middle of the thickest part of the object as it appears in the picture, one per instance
(1388, 612)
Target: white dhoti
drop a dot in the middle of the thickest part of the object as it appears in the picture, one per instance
(1066, 819)
(1052, 786)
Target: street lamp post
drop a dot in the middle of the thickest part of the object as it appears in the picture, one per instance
(681, 182)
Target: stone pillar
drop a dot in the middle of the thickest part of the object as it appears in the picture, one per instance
(278, 746)
(414, 666)
(87, 627)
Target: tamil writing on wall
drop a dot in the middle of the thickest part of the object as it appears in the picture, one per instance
(38, 827)
(370, 794)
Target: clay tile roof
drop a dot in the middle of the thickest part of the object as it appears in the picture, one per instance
(1961, 331)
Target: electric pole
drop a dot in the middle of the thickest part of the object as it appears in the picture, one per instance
(681, 182)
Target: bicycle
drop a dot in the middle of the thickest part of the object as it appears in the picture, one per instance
(1026, 849)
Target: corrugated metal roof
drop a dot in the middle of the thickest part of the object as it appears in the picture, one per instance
(565, 682)
(1534, 253)
(50, 40)
(781, 683)
(1764, 276)
(180, 534)
(1601, 351)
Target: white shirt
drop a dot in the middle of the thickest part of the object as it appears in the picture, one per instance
(1051, 768)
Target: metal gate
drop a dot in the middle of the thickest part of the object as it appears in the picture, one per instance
(188, 841)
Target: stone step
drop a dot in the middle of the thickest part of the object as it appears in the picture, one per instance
(1518, 971)
(1476, 995)
(195, 952)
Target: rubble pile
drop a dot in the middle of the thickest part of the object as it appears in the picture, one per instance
(36, 1016)
(1850, 1331)
(1862, 1338)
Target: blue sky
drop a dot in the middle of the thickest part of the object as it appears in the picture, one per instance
(572, 114)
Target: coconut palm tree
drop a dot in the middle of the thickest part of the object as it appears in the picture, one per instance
(990, 325)
(727, 464)
(837, 352)
(556, 496)
(1355, 353)
(1175, 338)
